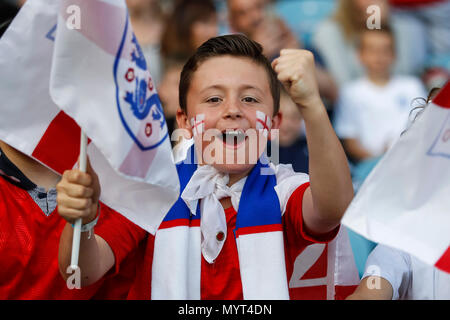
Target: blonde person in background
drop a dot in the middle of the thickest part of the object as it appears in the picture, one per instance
(336, 39)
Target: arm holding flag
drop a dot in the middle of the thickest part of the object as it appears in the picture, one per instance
(78, 197)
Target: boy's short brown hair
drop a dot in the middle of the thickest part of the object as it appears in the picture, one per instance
(234, 45)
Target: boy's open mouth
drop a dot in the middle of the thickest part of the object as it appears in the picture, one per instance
(233, 138)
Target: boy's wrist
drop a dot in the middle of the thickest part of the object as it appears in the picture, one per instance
(310, 102)
(95, 213)
(311, 107)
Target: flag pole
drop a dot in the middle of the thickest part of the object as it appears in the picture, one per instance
(77, 226)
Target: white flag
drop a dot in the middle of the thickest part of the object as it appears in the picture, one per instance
(87, 62)
(405, 201)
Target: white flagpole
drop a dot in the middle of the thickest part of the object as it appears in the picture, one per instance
(77, 226)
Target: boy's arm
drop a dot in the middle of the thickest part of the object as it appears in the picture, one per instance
(77, 197)
(331, 190)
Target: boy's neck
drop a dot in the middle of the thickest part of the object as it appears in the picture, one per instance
(33, 170)
(235, 177)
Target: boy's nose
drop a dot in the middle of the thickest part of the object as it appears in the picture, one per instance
(232, 110)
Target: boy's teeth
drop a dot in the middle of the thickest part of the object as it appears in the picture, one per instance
(235, 132)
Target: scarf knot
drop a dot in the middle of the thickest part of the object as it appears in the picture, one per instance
(210, 186)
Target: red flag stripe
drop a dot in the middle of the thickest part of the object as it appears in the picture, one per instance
(443, 97)
(59, 147)
(444, 261)
(259, 229)
(180, 223)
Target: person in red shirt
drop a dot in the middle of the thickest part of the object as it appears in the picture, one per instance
(29, 232)
(226, 86)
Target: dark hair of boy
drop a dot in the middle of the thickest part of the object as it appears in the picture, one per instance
(235, 45)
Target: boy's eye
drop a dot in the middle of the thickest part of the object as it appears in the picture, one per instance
(213, 100)
(249, 99)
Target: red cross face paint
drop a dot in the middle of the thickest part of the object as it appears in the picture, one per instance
(263, 122)
(198, 124)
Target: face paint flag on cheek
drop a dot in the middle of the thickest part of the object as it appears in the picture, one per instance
(263, 122)
(198, 124)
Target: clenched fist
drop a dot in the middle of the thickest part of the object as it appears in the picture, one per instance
(77, 195)
(296, 71)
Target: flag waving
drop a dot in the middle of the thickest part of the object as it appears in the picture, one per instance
(77, 64)
(405, 201)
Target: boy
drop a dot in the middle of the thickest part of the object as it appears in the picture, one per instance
(373, 111)
(236, 231)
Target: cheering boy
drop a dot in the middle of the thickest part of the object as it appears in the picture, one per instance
(240, 229)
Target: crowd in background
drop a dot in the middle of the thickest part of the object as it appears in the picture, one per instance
(369, 79)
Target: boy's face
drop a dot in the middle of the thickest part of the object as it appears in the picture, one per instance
(229, 94)
(377, 53)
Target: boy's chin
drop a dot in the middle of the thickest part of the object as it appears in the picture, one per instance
(234, 168)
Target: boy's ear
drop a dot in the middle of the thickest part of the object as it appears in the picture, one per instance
(184, 123)
(276, 123)
(276, 120)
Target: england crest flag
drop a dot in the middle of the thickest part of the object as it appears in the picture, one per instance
(405, 201)
(77, 64)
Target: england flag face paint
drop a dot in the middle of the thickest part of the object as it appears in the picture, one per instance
(263, 122)
(198, 124)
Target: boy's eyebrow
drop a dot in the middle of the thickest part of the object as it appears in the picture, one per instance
(222, 87)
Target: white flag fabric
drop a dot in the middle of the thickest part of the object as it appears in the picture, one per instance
(73, 64)
(405, 201)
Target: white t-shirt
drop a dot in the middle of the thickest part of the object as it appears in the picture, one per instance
(410, 278)
(375, 115)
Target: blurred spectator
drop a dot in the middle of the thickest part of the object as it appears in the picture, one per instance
(168, 91)
(373, 110)
(433, 17)
(336, 40)
(400, 276)
(147, 20)
(252, 18)
(293, 148)
(255, 20)
(436, 76)
(191, 23)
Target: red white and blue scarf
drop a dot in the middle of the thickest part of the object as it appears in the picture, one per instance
(259, 238)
